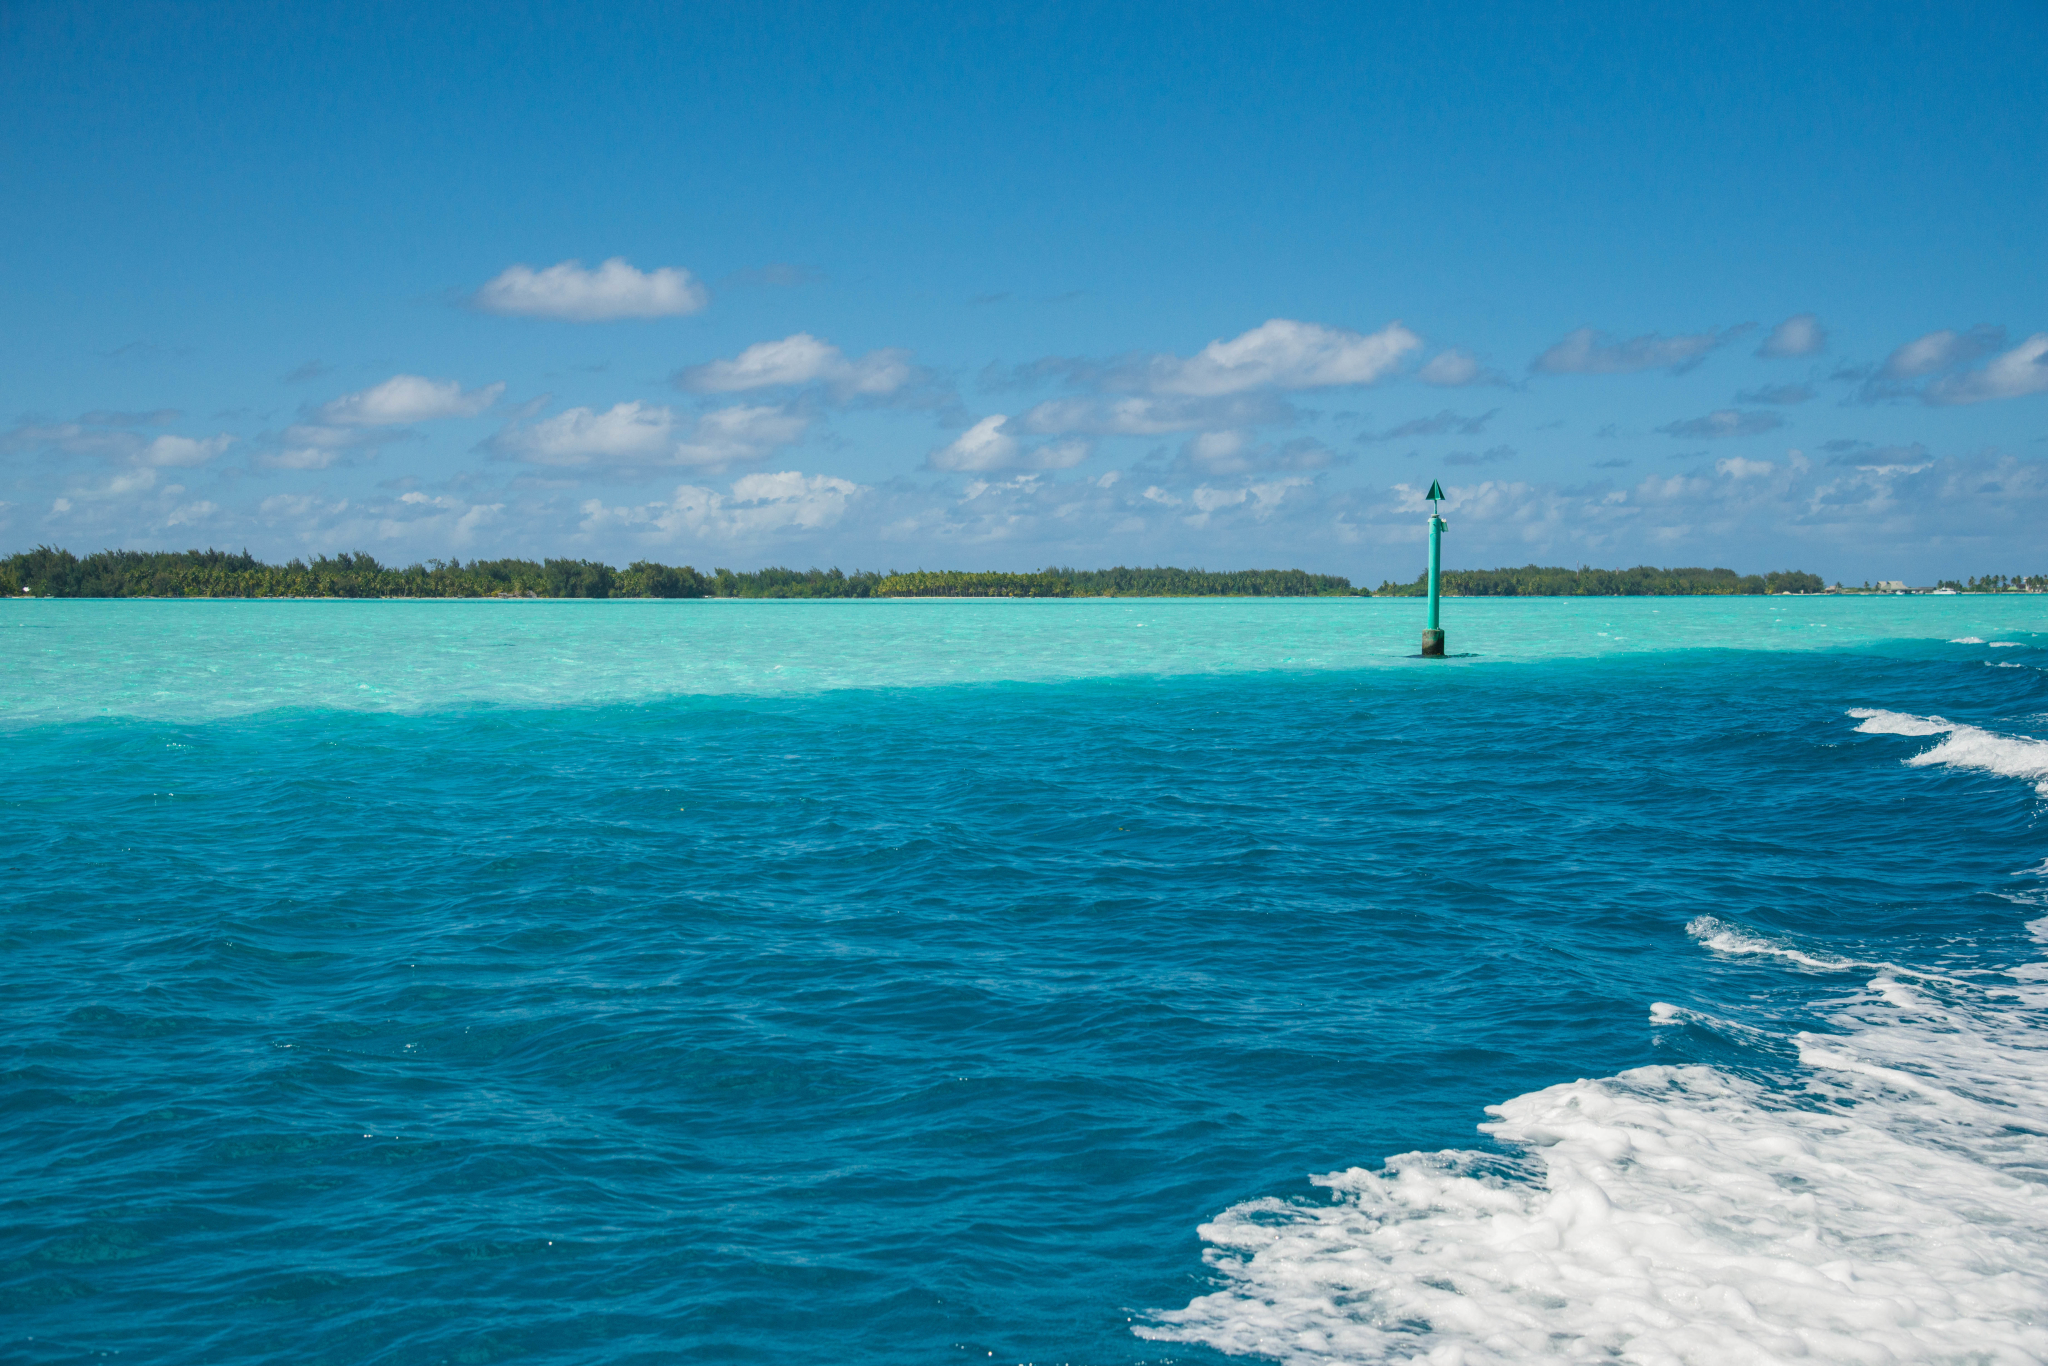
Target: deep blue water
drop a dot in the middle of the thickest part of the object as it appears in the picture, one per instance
(899, 1024)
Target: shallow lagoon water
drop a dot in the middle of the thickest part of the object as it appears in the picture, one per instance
(1038, 981)
(188, 661)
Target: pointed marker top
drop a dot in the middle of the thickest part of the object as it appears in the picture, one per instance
(1435, 491)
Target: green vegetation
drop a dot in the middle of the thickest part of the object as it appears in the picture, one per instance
(949, 583)
(1999, 583)
(1120, 582)
(47, 572)
(1197, 583)
(644, 579)
(1642, 581)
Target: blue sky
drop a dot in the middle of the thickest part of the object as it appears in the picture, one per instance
(890, 286)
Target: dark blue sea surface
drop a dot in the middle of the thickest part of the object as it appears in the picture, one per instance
(914, 1024)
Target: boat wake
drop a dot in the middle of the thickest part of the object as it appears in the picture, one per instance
(1885, 1202)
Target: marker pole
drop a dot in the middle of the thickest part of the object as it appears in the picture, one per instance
(1432, 635)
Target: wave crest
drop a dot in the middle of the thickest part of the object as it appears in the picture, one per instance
(1685, 1214)
(1966, 747)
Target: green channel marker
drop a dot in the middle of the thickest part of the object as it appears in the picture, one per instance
(1432, 635)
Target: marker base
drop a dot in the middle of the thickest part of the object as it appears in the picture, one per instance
(1433, 644)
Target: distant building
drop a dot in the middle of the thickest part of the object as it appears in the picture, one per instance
(1890, 586)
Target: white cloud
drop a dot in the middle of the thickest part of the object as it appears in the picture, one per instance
(1235, 452)
(1260, 499)
(1216, 450)
(1449, 368)
(614, 290)
(1726, 422)
(2009, 375)
(300, 451)
(1799, 335)
(136, 481)
(636, 433)
(1043, 519)
(408, 398)
(1151, 416)
(425, 523)
(1454, 369)
(984, 446)
(758, 506)
(1230, 384)
(1588, 352)
(801, 359)
(456, 518)
(627, 432)
(72, 438)
(1280, 354)
(296, 506)
(184, 450)
(729, 435)
(1940, 350)
(2018, 372)
(131, 504)
(1735, 467)
(1059, 455)
(797, 359)
(1916, 520)
(989, 446)
(1113, 417)
(790, 499)
(315, 446)
(195, 513)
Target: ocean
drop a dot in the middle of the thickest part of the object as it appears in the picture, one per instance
(1105, 981)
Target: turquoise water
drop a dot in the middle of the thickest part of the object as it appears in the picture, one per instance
(190, 661)
(1111, 981)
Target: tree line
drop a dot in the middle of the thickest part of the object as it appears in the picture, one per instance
(1998, 583)
(1541, 581)
(1121, 582)
(49, 572)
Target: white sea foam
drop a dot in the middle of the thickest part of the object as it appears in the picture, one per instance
(1726, 937)
(2006, 644)
(1889, 1205)
(1664, 1013)
(1967, 640)
(1966, 747)
(1877, 722)
(2007, 755)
